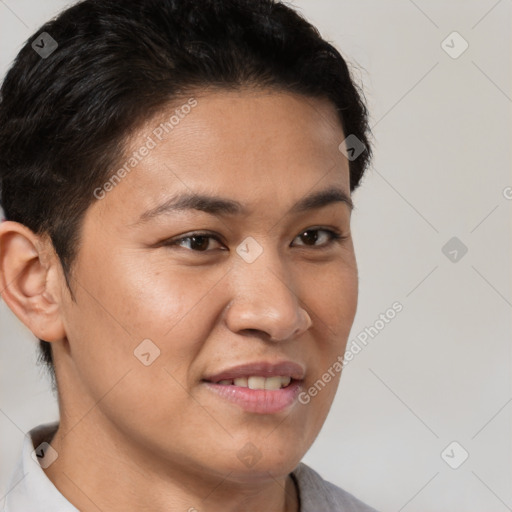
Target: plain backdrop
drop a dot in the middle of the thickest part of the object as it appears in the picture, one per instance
(440, 371)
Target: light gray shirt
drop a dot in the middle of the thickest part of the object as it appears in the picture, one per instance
(30, 490)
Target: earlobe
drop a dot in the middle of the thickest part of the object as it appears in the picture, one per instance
(26, 277)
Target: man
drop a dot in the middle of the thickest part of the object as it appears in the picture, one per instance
(176, 179)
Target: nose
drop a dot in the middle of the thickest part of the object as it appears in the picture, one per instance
(265, 302)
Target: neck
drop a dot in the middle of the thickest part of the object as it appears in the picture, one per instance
(94, 471)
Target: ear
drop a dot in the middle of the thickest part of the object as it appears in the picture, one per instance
(30, 280)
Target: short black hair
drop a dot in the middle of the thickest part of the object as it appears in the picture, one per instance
(65, 117)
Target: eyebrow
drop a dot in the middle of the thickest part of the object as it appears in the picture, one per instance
(220, 206)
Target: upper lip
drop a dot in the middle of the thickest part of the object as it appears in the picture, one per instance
(262, 369)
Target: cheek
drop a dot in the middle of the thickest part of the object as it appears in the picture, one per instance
(121, 306)
(334, 303)
(331, 296)
(125, 302)
(339, 296)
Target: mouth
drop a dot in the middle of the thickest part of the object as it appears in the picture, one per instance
(258, 370)
(261, 388)
(258, 382)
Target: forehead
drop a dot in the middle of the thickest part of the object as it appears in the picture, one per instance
(245, 144)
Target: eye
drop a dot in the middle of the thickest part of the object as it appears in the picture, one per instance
(311, 236)
(198, 242)
(202, 242)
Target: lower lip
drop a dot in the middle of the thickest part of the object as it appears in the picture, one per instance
(262, 401)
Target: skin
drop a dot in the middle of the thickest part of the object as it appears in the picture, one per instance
(135, 437)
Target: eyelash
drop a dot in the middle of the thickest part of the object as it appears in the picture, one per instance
(335, 237)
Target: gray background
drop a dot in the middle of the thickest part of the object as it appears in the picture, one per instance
(440, 371)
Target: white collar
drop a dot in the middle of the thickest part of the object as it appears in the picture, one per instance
(30, 489)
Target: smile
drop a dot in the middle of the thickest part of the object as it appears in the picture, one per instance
(258, 399)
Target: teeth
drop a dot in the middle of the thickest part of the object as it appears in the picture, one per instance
(257, 382)
(273, 383)
(285, 381)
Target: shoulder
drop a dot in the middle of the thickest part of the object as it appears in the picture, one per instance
(318, 495)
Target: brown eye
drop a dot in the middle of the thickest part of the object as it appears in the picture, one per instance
(202, 242)
(310, 237)
(197, 242)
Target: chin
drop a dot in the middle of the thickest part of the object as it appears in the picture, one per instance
(252, 465)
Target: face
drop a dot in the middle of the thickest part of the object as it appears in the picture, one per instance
(168, 304)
